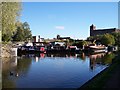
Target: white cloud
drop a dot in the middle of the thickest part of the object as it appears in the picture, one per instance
(60, 27)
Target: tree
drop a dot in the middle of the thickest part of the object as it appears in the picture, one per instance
(94, 38)
(23, 32)
(80, 44)
(107, 39)
(27, 31)
(26, 26)
(6, 37)
(10, 14)
(90, 38)
(117, 38)
(19, 36)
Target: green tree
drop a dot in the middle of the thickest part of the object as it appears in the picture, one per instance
(23, 32)
(10, 14)
(94, 38)
(90, 38)
(19, 36)
(26, 26)
(117, 38)
(80, 44)
(107, 39)
(6, 37)
(27, 31)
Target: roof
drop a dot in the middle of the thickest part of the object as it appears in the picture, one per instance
(64, 38)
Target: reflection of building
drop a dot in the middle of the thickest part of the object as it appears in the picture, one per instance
(14, 62)
(36, 59)
(94, 31)
(94, 61)
(92, 64)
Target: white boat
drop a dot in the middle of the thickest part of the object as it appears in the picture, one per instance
(98, 48)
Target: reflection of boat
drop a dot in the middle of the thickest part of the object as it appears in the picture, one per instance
(95, 56)
(42, 55)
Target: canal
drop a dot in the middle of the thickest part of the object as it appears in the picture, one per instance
(53, 70)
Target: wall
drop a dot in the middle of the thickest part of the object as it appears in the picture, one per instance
(102, 31)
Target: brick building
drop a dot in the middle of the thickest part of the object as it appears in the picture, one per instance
(94, 31)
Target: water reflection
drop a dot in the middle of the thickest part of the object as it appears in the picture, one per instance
(101, 59)
(19, 68)
(14, 68)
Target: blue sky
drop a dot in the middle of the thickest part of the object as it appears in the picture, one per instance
(73, 19)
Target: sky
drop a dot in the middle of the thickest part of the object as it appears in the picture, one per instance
(68, 19)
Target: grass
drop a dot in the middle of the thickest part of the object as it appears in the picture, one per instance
(100, 80)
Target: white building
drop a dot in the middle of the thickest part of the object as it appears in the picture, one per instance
(37, 39)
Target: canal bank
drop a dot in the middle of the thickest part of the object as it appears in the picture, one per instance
(108, 78)
(7, 50)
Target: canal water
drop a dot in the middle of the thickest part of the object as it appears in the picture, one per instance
(53, 70)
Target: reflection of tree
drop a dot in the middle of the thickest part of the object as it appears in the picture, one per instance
(101, 59)
(22, 67)
(6, 82)
(107, 59)
(82, 56)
